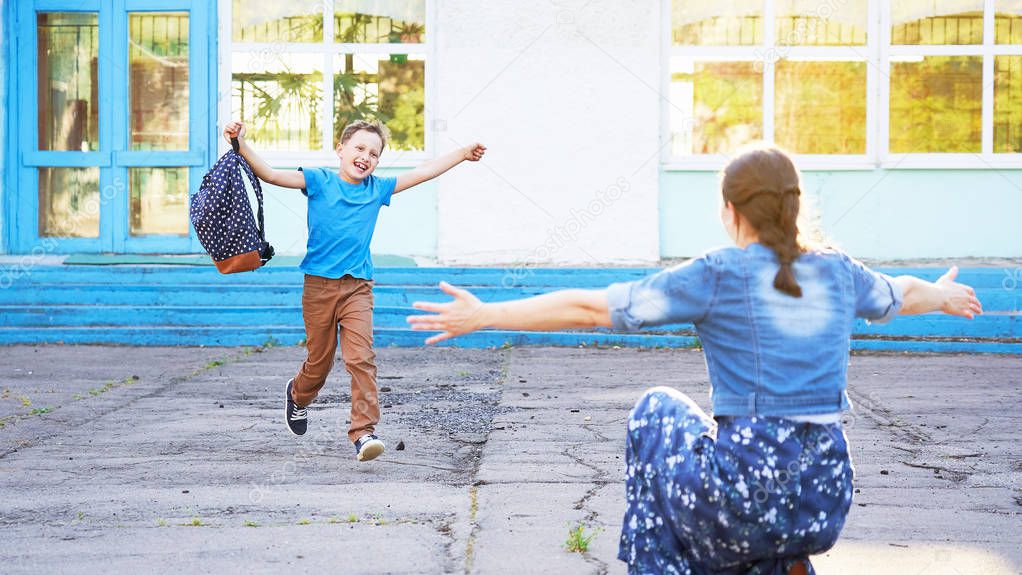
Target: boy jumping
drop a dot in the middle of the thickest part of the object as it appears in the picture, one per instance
(343, 208)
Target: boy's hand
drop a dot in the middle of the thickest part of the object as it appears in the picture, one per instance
(234, 130)
(475, 152)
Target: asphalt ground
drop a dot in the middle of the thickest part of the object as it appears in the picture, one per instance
(123, 459)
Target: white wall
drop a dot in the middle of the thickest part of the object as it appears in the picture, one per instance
(565, 93)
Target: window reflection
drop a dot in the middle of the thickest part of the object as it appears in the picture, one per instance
(716, 107)
(390, 88)
(68, 91)
(820, 107)
(936, 104)
(69, 202)
(158, 59)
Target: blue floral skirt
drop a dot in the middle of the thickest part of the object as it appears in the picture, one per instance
(744, 495)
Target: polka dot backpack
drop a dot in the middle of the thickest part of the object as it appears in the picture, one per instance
(222, 216)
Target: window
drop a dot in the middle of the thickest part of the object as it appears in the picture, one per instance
(846, 82)
(301, 71)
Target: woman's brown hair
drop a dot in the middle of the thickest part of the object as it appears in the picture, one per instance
(763, 186)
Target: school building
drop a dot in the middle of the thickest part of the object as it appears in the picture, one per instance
(606, 122)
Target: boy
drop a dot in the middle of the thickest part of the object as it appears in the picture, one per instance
(343, 207)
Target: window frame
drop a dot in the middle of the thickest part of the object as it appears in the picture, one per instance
(877, 53)
(329, 51)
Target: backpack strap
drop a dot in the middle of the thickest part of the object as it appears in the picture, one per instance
(267, 252)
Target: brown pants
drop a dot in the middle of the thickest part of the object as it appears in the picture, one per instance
(348, 302)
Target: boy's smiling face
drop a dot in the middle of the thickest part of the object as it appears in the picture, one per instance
(359, 156)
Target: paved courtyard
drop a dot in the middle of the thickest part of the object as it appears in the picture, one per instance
(176, 460)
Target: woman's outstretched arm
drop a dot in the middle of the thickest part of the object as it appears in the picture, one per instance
(565, 309)
(944, 295)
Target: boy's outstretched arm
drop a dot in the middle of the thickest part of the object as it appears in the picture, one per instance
(945, 295)
(564, 309)
(283, 178)
(433, 168)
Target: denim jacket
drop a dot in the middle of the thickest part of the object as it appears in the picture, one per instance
(767, 353)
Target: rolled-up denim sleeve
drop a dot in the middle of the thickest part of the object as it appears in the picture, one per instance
(877, 297)
(677, 295)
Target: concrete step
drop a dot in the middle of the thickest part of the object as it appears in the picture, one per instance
(981, 278)
(994, 299)
(993, 325)
(396, 337)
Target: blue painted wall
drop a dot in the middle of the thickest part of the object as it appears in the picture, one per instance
(407, 228)
(881, 214)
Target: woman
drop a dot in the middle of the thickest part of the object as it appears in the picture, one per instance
(767, 481)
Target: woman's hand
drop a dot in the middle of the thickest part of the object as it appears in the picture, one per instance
(234, 130)
(475, 152)
(460, 316)
(958, 299)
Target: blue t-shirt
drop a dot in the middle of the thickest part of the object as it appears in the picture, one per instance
(767, 353)
(342, 218)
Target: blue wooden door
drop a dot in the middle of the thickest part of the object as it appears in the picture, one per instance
(115, 124)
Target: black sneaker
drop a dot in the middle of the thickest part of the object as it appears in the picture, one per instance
(297, 418)
(368, 447)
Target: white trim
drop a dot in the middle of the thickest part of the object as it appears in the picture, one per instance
(327, 109)
(769, 60)
(964, 161)
(806, 162)
(431, 92)
(882, 136)
(1006, 50)
(325, 48)
(327, 121)
(987, 98)
(823, 163)
(874, 63)
(224, 85)
(328, 21)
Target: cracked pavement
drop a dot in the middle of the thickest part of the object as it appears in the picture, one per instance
(121, 460)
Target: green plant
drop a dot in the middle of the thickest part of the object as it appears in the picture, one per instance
(352, 518)
(304, 522)
(250, 523)
(195, 522)
(215, 363)
(25, 401)
(578, 540)
(161, 522)
(41, 410)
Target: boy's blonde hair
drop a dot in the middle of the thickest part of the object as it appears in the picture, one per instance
(374, 126)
